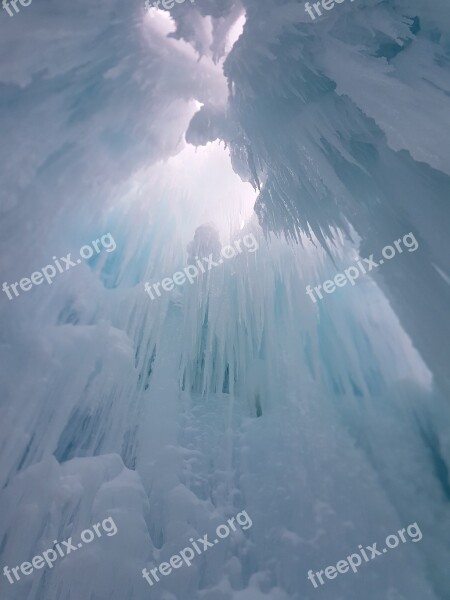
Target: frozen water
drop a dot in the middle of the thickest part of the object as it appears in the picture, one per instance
(329, 422)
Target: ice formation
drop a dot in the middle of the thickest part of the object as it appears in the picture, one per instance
(328, 423)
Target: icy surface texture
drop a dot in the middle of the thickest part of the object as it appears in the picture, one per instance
(327, 422)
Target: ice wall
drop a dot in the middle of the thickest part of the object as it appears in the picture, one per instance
(327, 422)
(351, 128)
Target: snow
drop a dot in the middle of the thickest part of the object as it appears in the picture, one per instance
(327, 422)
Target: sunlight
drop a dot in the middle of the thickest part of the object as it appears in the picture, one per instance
(205, 188)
